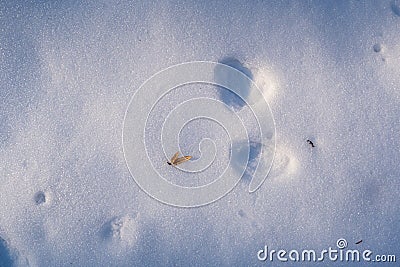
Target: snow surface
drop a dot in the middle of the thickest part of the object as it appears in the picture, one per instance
(329, 69)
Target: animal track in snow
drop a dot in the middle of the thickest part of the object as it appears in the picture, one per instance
(284, 163)
(377, 48)
(122, 230)
(230, 98)
(267, 81)
(40, 198)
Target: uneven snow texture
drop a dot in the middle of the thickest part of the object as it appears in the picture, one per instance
(329, 69)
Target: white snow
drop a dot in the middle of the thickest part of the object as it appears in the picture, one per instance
(330, 71)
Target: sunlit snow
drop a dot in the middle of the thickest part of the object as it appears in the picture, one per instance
(330, 71)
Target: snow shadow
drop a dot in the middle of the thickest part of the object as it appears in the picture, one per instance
(227, 96)
(20, 75)
(395, 6)
(5, 255)
(255, 149)
(155, 247)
